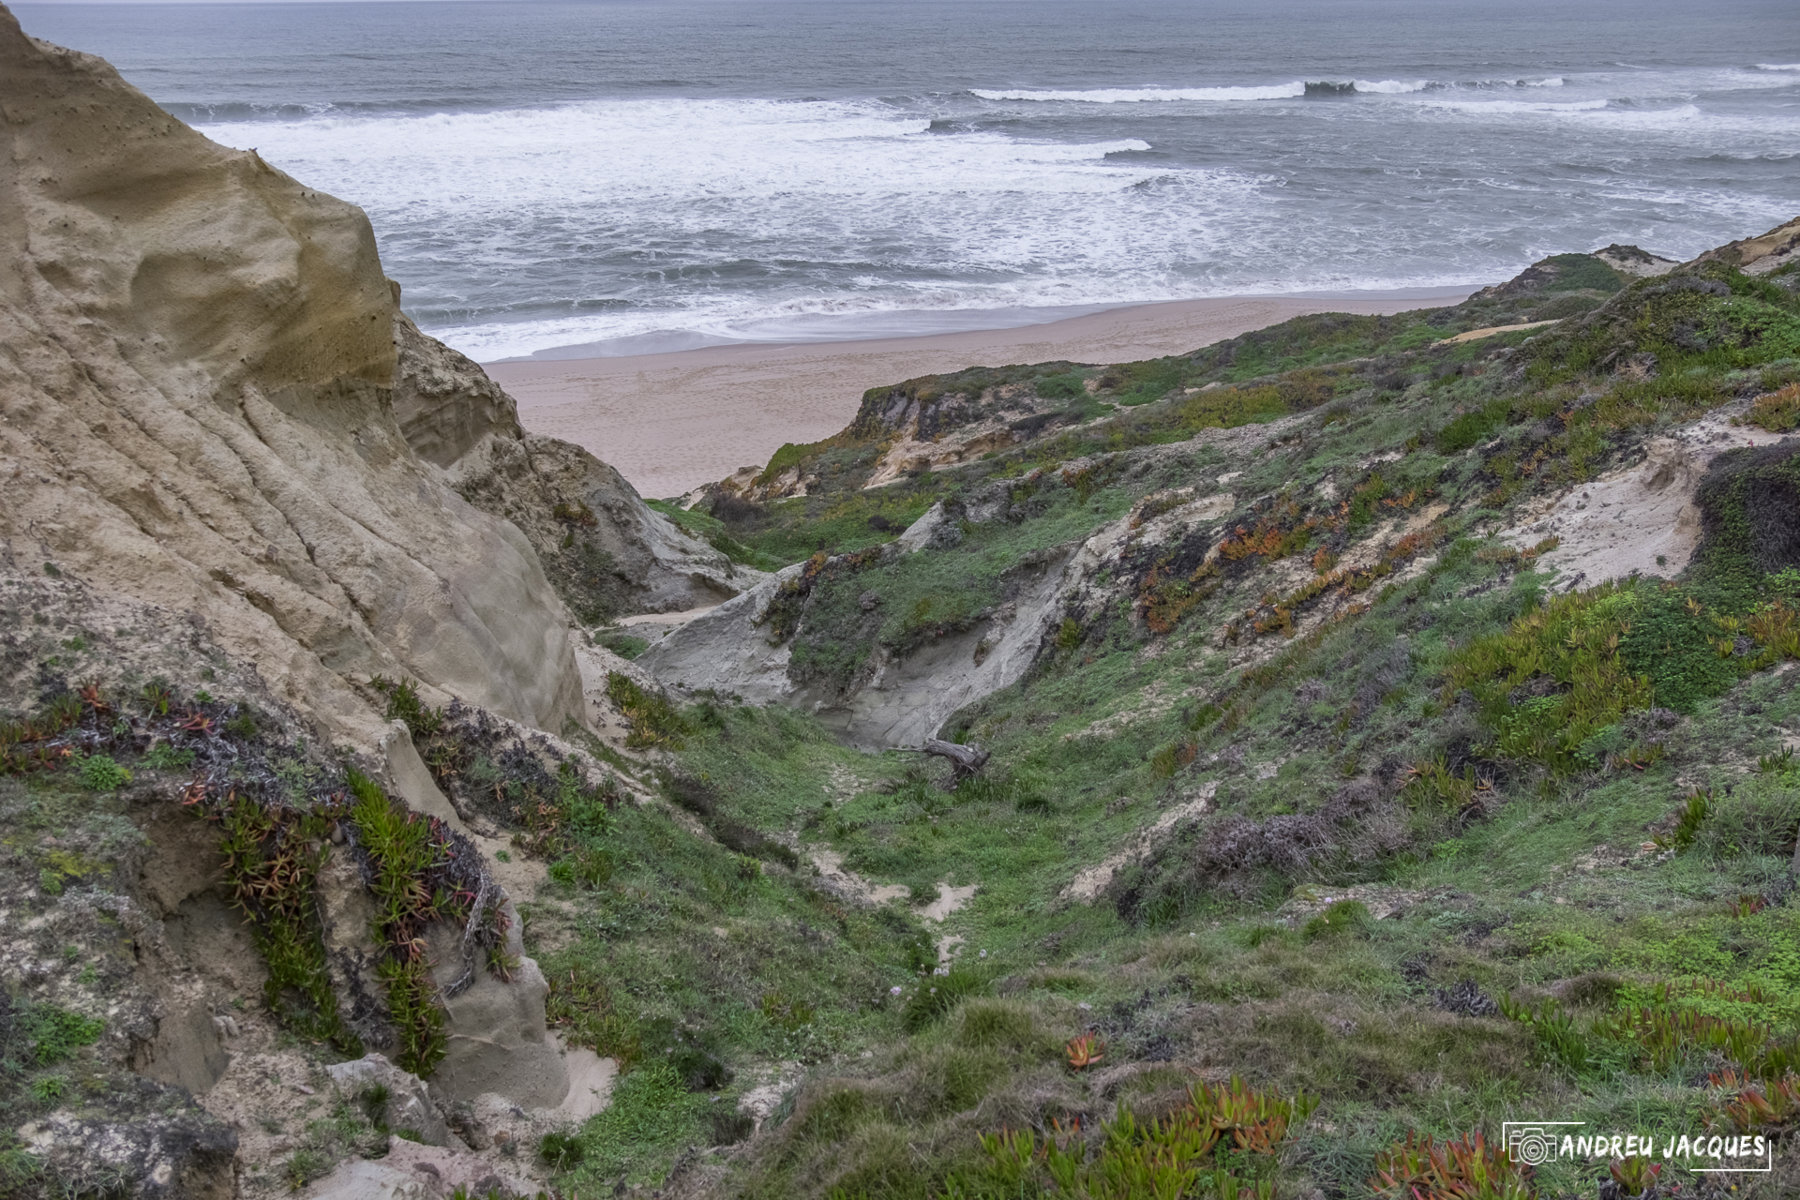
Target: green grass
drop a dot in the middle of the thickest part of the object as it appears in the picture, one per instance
(652, 719)
(713, 531)
(791, 530)
(625, 645)
(651, 1117)
(1511, 735)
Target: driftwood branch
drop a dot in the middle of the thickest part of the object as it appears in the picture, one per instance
(965, 761)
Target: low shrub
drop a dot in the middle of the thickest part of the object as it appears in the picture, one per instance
(43, 1035)
(1223, 1141)
(1465, 1169)
(1777, 411)
(653, 721)
(100, 773)
(1770, 1108)
(936, 995)
(1757, 816)
(272, 860)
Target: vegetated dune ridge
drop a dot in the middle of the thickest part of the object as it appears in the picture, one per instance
(886, 678)
(1397, 712)
(736, 404)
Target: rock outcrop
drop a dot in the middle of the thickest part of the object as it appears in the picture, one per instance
(604, 550)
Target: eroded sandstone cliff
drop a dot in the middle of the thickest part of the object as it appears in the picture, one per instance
(209, 401)
(242, 498)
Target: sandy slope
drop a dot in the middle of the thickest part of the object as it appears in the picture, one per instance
(669, 422)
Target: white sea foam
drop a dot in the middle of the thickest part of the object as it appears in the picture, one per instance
(726, 211)
(740, 219)
(646, 150)
(1778, 66)
(1141, 95)
(1391, 87)
(1512, 107)
(1653, 118)
(1740, 80)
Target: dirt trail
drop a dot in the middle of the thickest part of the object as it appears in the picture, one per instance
(1475, 335)
(1088, 884)
(852, 886)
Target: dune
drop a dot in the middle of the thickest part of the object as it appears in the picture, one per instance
(670, 422)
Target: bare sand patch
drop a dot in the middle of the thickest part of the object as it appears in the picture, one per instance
(949, 900)
(662, 622)
(1089, 883)
(1640, 519)
(1475, 335)
(852, 886)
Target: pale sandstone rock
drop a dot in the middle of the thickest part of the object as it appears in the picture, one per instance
(414, 1172)
(412, 781)
(196, 370)
(462, 422)
(495, 1034)
(408, 1104)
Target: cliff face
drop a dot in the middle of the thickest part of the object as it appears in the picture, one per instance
(226, 457)
(197, 363)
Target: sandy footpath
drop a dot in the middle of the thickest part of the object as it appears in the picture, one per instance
(669, 422)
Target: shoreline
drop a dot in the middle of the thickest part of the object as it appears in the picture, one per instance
(671, 421)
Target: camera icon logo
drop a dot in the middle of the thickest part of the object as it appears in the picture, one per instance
(1534, 1143)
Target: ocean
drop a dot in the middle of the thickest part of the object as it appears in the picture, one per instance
(622, 176)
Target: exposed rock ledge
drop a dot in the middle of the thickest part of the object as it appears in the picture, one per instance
(567, 502)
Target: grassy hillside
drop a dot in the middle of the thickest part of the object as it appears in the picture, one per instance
(1434, 842)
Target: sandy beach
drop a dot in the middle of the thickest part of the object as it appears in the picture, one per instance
(670, 422)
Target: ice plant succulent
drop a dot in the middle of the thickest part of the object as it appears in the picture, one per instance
(1083, 1051)
(1465, 1169)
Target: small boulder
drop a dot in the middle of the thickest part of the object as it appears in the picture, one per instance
(405, 1101)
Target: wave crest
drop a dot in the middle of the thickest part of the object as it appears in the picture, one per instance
(1390, 87)
(1141, 95)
